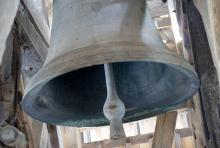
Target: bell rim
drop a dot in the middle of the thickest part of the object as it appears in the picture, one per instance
(144, 54)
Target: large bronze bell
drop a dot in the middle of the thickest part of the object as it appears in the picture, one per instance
(70, 88)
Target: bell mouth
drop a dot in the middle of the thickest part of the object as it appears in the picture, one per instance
(76, 98)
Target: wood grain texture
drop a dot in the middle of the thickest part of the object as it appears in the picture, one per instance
(207, 71)
(145, 139)
(164, 131)
(54, 139)
(23, 18)
(195, 116)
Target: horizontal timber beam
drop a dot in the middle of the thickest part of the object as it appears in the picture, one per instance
(185, 132)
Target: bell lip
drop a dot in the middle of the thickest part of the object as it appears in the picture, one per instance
(119, 53)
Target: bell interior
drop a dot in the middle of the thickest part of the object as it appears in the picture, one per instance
(146, 88)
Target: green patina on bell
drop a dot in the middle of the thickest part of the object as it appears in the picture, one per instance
(70, 88)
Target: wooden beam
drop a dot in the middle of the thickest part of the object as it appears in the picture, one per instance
(7, 81)
(214, 11)
(54, 138)
(195, 117)
(133, 140)
(10, 82)
(24, 20)
(31, 62)
(9, 78)
(177, 141)
(209, 10)
(184, 132)
(39, 14)
(33, 127)
(204, 64)
(29, 134)
(164, 131)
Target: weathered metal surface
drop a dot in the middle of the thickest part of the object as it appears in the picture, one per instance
(70, 88)
(114, 108)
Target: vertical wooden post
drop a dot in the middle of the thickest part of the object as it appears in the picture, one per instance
(60, 137)
(54, 139)
(164, 132)
(207, 72)
(78, 137)
(197, 41)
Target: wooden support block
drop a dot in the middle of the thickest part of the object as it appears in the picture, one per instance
(164, 132)
(184, 132)
(139, 139)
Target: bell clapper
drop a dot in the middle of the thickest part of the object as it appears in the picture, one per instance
(114, 108)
